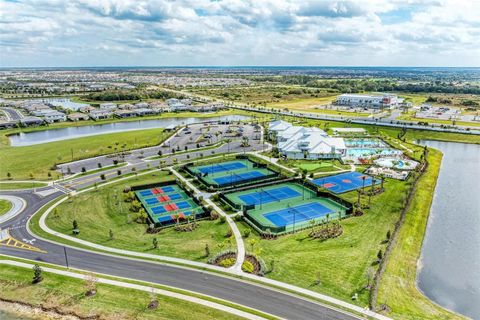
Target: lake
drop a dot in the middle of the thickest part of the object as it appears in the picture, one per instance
(450, 261)
(43, 136)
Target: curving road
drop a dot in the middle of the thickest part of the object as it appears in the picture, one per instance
(262, 298)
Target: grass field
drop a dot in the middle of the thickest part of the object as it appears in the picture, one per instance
(97, 212)
(111, 302)
(4, 206)
(37, 160)
(398, 286)
(20, 185)
(341, 263)
(315, 165)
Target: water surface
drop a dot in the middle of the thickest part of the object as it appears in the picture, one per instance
(37, 137)
(450, 259)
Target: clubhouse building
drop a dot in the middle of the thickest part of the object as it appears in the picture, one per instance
(296, 142)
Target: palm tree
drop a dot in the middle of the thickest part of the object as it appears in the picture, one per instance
(382, 177)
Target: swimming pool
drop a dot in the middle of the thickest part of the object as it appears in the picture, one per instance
(364, 143)
(396, 163)
(369, 152)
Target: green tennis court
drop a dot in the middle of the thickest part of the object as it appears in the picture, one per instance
(230, 173)
(165, 203)
(285, 207)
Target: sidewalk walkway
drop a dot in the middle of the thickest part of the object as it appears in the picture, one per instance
(18, 204)
(236, 232)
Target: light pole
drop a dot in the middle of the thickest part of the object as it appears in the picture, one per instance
(65, 253)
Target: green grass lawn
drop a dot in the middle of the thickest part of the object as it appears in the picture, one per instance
(20, 185)
(97, 212)
(440, 121)
(38, 160)
(4, 206)
(111, 302)
(398, 286)
(341, 263)
(315, 165)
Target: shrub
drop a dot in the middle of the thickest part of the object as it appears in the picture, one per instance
(226, 263)
(248, 267)
(222, 219)
(246, 233)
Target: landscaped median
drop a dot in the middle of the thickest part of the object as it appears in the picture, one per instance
(68, 292)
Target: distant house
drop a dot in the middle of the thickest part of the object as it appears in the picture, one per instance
(126, 106)
(142, 105)
(87, 109)
(160, 107)
(144, 111)
(100, 114)
(54, 116)
(7, 124)
(31, 121)
(77, 116)
(108, 106)
(125, 113)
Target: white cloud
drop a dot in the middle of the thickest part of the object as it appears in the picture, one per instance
(310, 32)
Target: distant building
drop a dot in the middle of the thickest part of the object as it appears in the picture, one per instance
(77, 116)
(100, 114)
(125, 113)
(368, 101)
(108, 106)
(54, 116)
(144, 111)
(31, 121)
(87, 109)
(295, 142)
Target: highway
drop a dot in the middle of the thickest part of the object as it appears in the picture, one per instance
(281, 304)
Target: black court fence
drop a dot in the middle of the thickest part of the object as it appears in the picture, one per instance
(274, 176)
(160, 184)
(326, 194)
(224, 198)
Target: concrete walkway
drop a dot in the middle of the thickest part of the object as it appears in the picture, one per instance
(272, 160)
(166, 293)
(236, 232)
(18, 204)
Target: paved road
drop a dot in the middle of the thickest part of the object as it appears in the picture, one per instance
(261, 298)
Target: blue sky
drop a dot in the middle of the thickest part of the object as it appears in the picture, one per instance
(234, 32)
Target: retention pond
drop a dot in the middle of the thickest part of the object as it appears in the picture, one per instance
(450, 261)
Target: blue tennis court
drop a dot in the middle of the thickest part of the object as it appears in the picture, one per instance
(238, 177)
(183, 205)
(301, 213)
(266, 196)
(220, 167)
(345, 182)
(158, 210)
(151, 201)
(175, 196)
(146, 193)
(168, 189)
